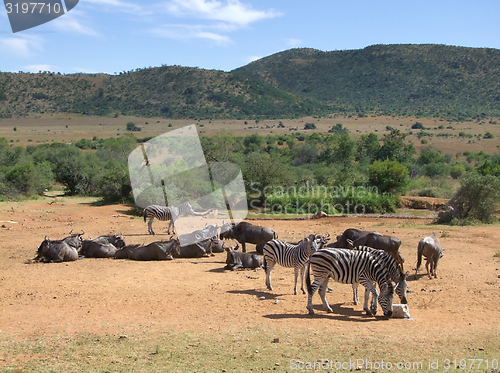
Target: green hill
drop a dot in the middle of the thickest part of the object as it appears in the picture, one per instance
(422, 80)
(167, 91)
(415, 80)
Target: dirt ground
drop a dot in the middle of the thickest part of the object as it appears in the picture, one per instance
(107, 296)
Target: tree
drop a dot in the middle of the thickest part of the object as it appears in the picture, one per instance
(475, 200)
(131, 126)
(388, 176)
(395, 148)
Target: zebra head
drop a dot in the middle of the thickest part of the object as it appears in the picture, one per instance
(401, 287)
(386, 298)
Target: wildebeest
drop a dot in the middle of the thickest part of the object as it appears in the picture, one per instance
(197, 249)
(431, 249)
(98, 248)
(55, 251)
(352, 234)
(116, 239)
(386, 243)
(244, 232)
(237, 259)
(159, 250)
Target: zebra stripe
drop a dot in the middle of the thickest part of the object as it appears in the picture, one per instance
(349, 267)
(290, 255)
(163, 213)
(395, 274)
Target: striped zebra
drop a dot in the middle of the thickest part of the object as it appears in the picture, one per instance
(290, 255)
(350, 267)
(171, 213)
(395, 274)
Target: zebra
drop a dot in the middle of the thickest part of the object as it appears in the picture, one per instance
(431, 249)
(291, 255)
(171, 213)
(350, 267)
(395, 274)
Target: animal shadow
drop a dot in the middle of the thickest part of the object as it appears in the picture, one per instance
(256, 293)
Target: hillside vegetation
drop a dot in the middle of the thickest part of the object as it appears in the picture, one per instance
(167, 91)
(423, 80)
(454, 83)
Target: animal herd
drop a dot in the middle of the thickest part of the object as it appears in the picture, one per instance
(356, 257)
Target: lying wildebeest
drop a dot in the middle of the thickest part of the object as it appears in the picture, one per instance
(237, 259)
(97, 248)
(55, 251)
(386, 243)
(431, 249)
(159, 250)
(352, 234)
(197, 249)
(116, 240)
(246, 232)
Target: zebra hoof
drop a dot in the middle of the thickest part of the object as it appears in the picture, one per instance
(311, 313)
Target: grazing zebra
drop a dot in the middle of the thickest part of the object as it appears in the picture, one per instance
(290, 255)
(395, 274)
(349, 267)
(171, 213)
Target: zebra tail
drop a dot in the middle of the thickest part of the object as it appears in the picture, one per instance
(265, 263)
(144, 214)
(308, 278)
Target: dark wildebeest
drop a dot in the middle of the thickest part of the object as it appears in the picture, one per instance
(97, 249)
(159, 250)
(246, 232)
(431, 249)
(65, 250)
(386, 243)
(352, 234)
(237, 259)
(197, 249)
(116, 240)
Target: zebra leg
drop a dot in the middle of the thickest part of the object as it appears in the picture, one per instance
(296, 273)
(374, 305)
(150, 226)
(355, 298)
(269, 268)
(302, 270)
(322, 294)
(171, 224)
(314, 287)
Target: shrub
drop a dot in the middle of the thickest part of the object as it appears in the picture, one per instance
(309, 126)
(457, 170)
(475, 200)
(388, 176)
(131, 126)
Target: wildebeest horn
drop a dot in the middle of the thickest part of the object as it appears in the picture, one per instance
(70, 232)
(83, 232)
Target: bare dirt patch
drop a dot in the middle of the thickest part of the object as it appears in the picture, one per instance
(112, 297)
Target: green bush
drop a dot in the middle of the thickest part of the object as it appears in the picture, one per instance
(475, 200)
(388, 176)
(457, 170)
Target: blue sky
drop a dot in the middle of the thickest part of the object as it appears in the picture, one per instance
(120, 35)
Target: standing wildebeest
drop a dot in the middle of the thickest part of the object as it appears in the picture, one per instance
(431, 249)
(352, 234)
(195, 250)
(65, 250)
(237, 259)
(386, 243)
(290, 255)
(246, 232)
(159, 250)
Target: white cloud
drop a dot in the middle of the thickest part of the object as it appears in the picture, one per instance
(20, 46)
(231, 11)
(73, 22)
(119, 5)
(294, 42)
(180, 31)
(41, 67)
(253, 58)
